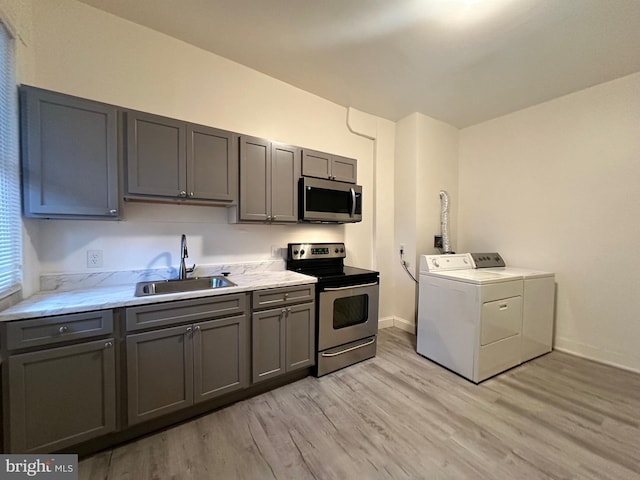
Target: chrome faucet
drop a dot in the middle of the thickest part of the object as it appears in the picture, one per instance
(184, 253)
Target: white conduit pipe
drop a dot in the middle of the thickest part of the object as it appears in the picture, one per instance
(444, 221)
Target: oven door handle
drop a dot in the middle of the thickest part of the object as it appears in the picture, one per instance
(349, 349)
(334, 289)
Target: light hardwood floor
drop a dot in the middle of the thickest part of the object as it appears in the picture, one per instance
(400, 416)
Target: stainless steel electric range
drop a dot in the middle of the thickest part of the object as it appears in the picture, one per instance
(346, 304)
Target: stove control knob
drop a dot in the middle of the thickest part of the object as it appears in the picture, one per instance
(295, 252)
(301, 252)
(342, 250)
(337, 250)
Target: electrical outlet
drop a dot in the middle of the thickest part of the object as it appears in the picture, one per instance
(94, 258)
(276, 252)
(437, 241)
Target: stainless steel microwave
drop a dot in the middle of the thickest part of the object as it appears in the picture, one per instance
(329, 201)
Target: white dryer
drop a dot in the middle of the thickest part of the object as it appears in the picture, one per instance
(538, 303)
(469, 320)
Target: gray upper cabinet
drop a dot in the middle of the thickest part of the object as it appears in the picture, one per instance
(269, 174)
(212, 164)
(69, 156)
(156, 155)
(326, 165)
(255, 173)
(172, 159)
(285, 172)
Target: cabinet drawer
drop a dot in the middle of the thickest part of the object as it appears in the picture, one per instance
(182, 311)
(275, 297)
(62, 328)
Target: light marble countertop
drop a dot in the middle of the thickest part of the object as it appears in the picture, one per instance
(48, 303)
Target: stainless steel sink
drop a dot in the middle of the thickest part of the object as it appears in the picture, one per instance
(160, 287)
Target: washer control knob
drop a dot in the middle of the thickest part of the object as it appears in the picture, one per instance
(465, 260)
(436, 263)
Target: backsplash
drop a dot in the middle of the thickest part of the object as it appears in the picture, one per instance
(74, 281)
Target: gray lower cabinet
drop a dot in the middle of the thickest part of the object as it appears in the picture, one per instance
(269, 174)
(169, 369)
(283, 338)
(69, 156)
(61, 396)
(159, 373)
(332, 167)
(172, 159)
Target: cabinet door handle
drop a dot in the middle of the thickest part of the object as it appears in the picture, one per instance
(113, 211)
(286, 295)
(182, 194)
(273, 219)
(197, 328)
(188, 330)
(108, 345)
(63, 329)
(191, 194)
(288, 310)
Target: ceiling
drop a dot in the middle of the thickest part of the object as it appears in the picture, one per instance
(460, 61)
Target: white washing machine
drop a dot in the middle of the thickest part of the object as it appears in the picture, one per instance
(538, 303)
(469, 320)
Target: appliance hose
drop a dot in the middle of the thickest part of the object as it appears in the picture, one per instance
(444, 221)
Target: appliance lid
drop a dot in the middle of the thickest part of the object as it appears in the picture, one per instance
(478, 277)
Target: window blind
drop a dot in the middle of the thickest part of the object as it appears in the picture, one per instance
(10, 225)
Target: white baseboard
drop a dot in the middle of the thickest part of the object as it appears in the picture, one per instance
(397, 322)
(403, 324)
(597, 354)
(385, 322)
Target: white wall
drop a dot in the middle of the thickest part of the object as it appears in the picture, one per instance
(405, 227)
(384, 213)
(555, 187)
(73, 48)
(426, 158)
(382, 132)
